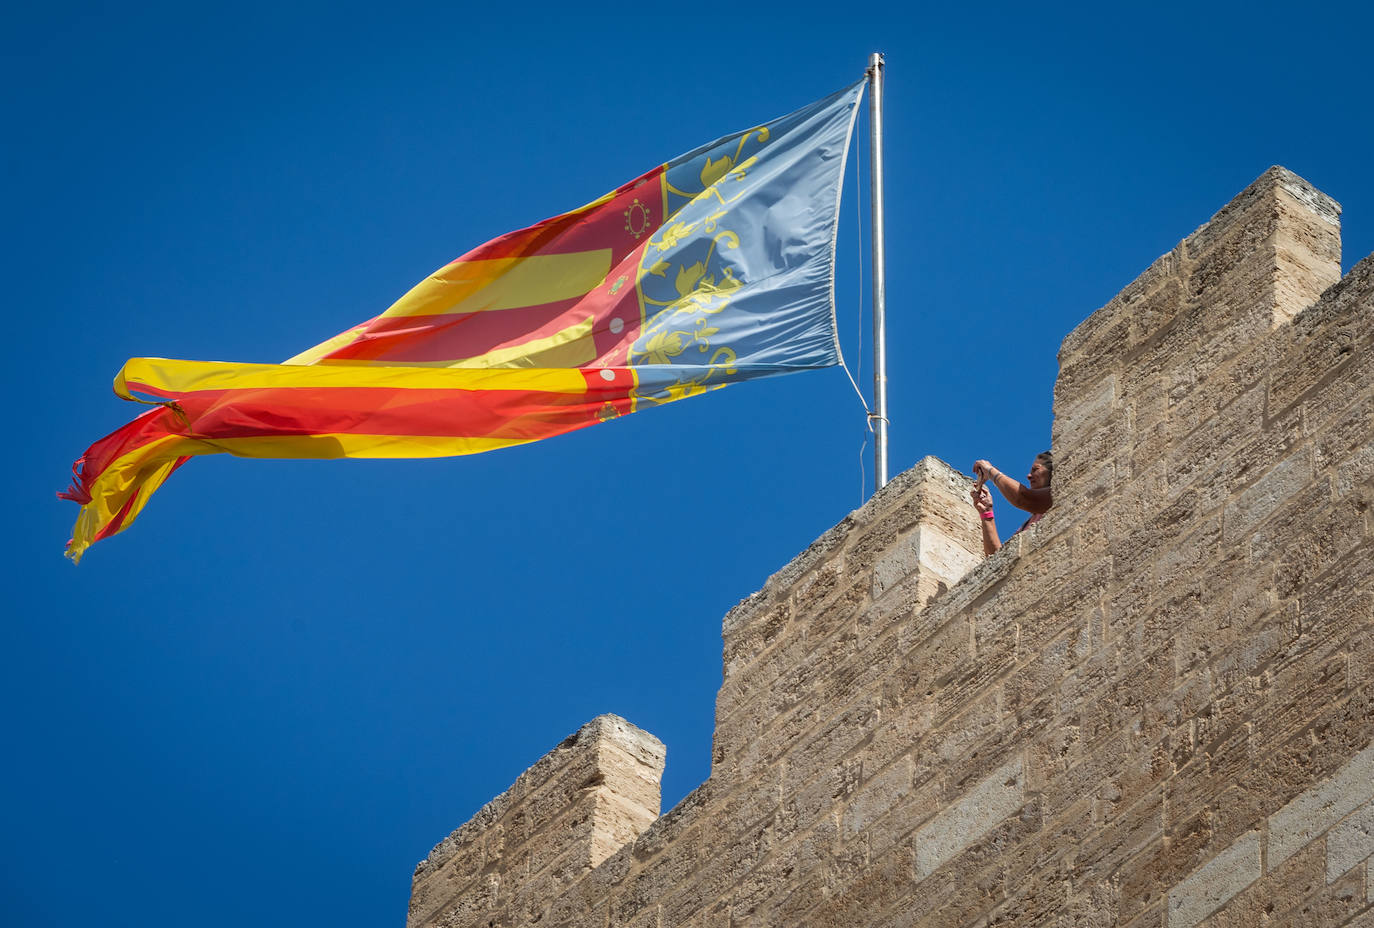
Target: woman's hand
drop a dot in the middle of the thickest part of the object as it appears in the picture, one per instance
(982, 498)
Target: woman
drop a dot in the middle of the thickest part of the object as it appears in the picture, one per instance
(1033, 496)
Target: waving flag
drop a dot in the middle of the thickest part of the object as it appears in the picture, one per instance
(713, 268)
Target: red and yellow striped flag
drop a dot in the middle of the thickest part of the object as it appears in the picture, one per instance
(712, 268)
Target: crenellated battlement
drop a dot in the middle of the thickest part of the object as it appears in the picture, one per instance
(1154, 709)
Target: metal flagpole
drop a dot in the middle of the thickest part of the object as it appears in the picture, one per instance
(878, 417)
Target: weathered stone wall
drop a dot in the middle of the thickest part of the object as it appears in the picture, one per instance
(1155, 709)
(579, 804)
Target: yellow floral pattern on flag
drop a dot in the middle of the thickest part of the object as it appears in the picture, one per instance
(677, 308)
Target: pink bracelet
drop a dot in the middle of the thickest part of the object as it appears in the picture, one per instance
(985, 516)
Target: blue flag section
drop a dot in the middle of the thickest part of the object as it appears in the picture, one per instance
(738, 281)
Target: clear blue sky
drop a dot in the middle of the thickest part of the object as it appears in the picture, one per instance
(265, 702)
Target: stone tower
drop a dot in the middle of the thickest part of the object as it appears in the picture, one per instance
(1154, 710)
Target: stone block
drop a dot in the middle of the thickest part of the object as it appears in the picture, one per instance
(1100, 357)
(1356, 474)
(1311, 360)
(1095, 335)
(969, 818)
(1213, 441)
(876, 797)
(940, 560)
(753, 636)
(1216, 882)
(1076, 419)
(1319, 808)
(1279, 890)
(1348, 435)
(1260, 500)
(1330, 906)
(1350, 842)
(897, 824)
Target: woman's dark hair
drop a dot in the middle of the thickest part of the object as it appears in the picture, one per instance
(1047, 458)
